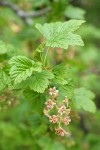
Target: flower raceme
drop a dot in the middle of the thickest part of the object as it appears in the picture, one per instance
(58, 112)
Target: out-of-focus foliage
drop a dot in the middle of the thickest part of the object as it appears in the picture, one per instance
(23, 126)
(86, 102)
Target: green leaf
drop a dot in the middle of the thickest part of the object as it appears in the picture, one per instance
(74, 39)
(22, 67)
(59, 34)
(7, 48)
(83, 99)
(74, 12)
(63, 78)
(62, 74)
(60, 80)
(40, 81)
(3, 79)
(37, 67)
(3, 48)
(23, 85)
(67, 90)
(35, 99)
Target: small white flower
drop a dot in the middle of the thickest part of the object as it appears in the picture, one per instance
(53, 91)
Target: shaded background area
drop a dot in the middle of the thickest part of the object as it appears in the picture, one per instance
(20, 129)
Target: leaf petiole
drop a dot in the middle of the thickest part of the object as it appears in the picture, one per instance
(45, 58)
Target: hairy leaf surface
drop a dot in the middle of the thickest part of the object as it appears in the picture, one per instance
(62, 74)
(40, 81)
(35, 99)
(60, 34)
(83, 99)
(22, 67)
(68, 89)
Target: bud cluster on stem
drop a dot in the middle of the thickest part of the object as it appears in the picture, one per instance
(62, 109)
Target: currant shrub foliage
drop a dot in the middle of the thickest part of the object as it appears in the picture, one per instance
(86, 103)
(34, 76)
(60, 34)
(22, 67)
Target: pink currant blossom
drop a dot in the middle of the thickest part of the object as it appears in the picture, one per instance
(50, 104)
(61, 131)
(53, 91)
(67, 120)
(62, 109)
(54, 119)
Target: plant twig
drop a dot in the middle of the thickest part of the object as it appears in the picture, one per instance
(25, 16)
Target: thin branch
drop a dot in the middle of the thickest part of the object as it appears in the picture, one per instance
(26, 16)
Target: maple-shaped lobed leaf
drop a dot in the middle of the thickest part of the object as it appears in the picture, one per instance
(36, 100)
(83, 99)
(67, 89)
(40, 81)
(22, 68)
(60, 34)
(62, 74)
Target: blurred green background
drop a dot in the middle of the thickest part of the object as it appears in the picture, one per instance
(22, 127)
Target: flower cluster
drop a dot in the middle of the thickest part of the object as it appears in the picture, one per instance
(7, 101)
(58, 111)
